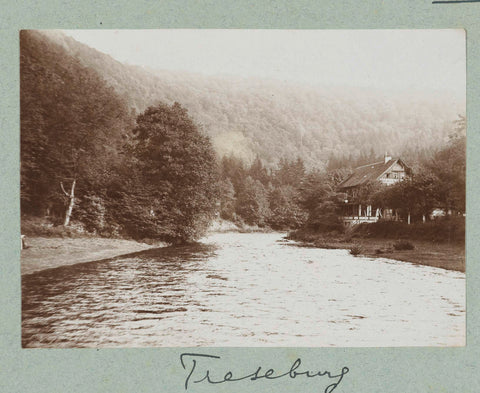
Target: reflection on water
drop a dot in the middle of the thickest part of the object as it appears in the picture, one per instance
(243, 290)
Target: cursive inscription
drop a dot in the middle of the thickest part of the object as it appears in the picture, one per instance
(194, 364)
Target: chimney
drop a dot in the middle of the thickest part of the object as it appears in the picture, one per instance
(387, 157)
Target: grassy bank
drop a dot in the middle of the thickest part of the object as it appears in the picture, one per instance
(46, 253)
(438, 244)
(49, 246)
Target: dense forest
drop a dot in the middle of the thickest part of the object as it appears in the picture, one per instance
(272, 119)
(85, 157)
(123, 151)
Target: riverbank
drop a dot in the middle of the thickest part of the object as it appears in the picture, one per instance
(438, 243)
(50, 247)
(47, 253)
(450, 256)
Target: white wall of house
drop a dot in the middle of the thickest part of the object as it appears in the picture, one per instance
(395, 174)
(356, 213)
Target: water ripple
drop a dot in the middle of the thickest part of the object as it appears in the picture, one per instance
(243, 290)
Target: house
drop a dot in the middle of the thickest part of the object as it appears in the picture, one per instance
(388, 172)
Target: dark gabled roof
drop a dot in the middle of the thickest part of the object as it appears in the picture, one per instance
(371, 172)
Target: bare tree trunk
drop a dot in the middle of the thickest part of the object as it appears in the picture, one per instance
(71, 197)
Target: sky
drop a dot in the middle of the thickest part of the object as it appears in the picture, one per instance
(421, 60)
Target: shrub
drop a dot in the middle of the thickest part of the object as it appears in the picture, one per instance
(35, 226)
(303, 234)
(356, 250)
(403, 245)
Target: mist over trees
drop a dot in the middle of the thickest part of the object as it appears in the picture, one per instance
(274, 119)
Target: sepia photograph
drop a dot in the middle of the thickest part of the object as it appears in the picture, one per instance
(242, 188)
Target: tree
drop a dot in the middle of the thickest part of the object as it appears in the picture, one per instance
(70, 120)
(449, 167)
(258, 172)
(368, 193)
(233, 168)
(413, 197)
(421, 191)
(290, 172)
(285, 211)
(252, 202)
(227, 199)
(178, 169)
(320, 200)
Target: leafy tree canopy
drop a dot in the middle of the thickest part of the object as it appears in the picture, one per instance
(178, 171)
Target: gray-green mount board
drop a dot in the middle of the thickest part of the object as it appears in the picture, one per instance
(400, 370)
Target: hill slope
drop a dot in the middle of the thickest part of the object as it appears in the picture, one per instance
(273, 119)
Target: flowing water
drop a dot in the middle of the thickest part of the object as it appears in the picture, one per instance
(243, 290)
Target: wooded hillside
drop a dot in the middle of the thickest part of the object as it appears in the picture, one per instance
(125, 151)
(274, 119)
(85, 156)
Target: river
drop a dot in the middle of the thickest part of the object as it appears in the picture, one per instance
(243, 290)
